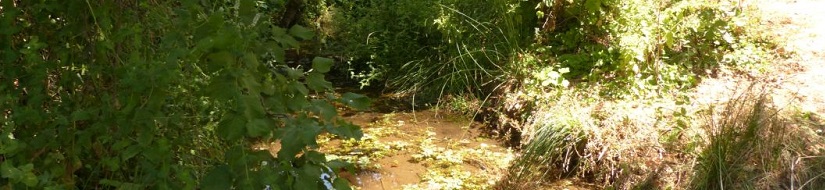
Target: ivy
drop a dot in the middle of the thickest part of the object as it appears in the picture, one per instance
(161, 95)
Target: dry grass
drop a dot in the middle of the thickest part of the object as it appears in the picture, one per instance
(740, 141)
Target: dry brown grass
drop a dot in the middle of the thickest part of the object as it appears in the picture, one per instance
(740, 140)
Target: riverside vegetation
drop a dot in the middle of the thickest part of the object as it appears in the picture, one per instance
(243, 94)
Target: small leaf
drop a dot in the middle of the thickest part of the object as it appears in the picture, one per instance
(357, 101)
(321, 64)
(301, 32)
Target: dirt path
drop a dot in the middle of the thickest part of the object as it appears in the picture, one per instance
(800, 29)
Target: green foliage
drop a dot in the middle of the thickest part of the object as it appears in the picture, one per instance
(645, 46)
(160, 95)
(431, 47)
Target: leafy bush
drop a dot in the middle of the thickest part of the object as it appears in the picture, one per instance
(647, 46)
(160, 95)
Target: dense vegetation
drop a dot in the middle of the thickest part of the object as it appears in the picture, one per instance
(161, 95)
(176, 95)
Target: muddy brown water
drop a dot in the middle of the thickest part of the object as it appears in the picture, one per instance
(400, 169)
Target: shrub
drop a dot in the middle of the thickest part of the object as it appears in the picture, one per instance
(430, 47)
(159, 95)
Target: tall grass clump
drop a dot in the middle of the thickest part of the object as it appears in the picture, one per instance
(752, 146)
(553, 143)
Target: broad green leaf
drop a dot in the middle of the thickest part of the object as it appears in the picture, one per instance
(341, 184)
(22, 174)
(268, 88)
(299, 133)
(278, 53)
(259, 127)
(321, 64)
(232, 128)
(324, 109)
(251, 60)
(130, 152)
(293, 73)
(9, 145)
(316, 82)
(309, 177)
(120, 184)
(276, 104)
(252, 107)
(301, 32)
(357, 101)
(237, 159)
(246, 10)
(338, 165)
(300, 87)
(278, 32)
(287, 41)
(80, 115)
(222, 87)
(250, 84)
(315, 157)
(592, 5)
(346, 130)
(219, 60)
(219, 178)
(297, 103)
(9, 171)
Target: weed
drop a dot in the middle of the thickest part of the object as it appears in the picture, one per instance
(752, 146)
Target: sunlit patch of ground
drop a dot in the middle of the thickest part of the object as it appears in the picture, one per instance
(798, 25)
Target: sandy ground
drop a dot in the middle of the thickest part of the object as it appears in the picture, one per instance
(798, 26)
(801, 26)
